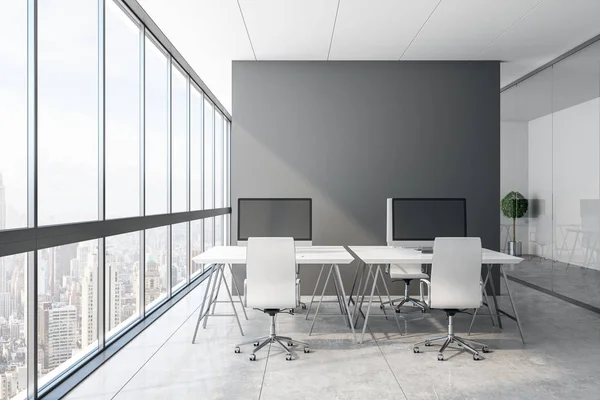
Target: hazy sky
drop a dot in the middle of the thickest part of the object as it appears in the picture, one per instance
(68, 116)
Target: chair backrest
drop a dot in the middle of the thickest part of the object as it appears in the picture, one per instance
(456, 273)
(271, 273)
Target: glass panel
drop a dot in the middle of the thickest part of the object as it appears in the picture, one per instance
(219, 161)
(196, 127)
(13, 115)
(122, 114)
(156, 266)
(179, 140)
(197, 233)
(123, 281)
(219, 230)
(157, 124)
(209, 234)
(535, 230)
(67, 111)
(227, 163)
(179, 254)
(67, 306)
(208, 155)
(576, 175)
(13, 308)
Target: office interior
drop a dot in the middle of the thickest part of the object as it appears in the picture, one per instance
(158, 159)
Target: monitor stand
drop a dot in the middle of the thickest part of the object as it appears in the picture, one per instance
(426, 250)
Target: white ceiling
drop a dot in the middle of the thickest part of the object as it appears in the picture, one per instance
(524, 34)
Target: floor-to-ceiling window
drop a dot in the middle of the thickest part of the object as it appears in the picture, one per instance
(110, 157)
(13, 195)
(551, 154)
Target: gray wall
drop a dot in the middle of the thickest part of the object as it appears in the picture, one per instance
(350, 134)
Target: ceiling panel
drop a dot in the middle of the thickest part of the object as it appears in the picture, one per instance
(553, 28)
(290, 29)
(460, 29)
(377, 30)
(209, 34)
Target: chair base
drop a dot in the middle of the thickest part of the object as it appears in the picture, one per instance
(273, 338)
(450, 338)
(406, 299)
(412, 301)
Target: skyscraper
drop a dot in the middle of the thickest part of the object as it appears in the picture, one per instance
(89, 310)
(152, 281)
(58, 334)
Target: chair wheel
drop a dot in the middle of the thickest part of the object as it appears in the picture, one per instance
(290, 344)
(440, 357)
(415, 350)
(288, 357)
(428, 344)
(304, 306)
(476, 357)
(253, 357)
(423, 311)
(306, 350)
(485, 349)
(256, 344)
(237, 350)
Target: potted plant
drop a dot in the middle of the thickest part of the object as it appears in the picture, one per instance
(514, 206)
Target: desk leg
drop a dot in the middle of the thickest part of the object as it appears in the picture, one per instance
(350, 319)
(237, 289)
(390, 300)
(320, 301)
(201, 313)
(350, 300)
(573, 248)
(213, 300)
(314, 291)
(370, 300)
(512, 303)
(489, 269)
(361, 297)
(338, 294)
(231, 300)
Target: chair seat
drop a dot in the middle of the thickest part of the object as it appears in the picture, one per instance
(402, 271)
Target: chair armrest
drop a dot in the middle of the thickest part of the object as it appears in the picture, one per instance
(245, 293)
(428, 283)
(298, 292)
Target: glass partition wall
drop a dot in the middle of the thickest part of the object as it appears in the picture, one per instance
(550, 136)
(114, 174)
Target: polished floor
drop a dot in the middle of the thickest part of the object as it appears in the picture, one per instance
(559, 361)
(579, 283)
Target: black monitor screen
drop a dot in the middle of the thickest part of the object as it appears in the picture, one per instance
(426, 219)
(275, 218)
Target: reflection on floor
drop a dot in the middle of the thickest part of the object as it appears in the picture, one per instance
(559, 361)
(579, 283)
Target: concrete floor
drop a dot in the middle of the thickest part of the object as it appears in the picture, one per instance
(573, 281)
(559, 361)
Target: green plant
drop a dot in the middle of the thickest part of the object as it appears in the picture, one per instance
(514, 206)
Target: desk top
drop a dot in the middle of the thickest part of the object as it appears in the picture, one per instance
(399, 255)
(304, 255)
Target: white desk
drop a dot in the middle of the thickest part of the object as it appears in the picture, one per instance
(376, 256)
(220, 256)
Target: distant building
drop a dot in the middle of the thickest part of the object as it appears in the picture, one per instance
(57, 333)
(152, 283)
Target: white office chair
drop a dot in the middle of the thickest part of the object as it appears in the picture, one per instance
(406, 273)
(271, 286)
(455, 285)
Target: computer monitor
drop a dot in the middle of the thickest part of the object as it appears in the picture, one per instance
(416, 222)
(275, 217)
